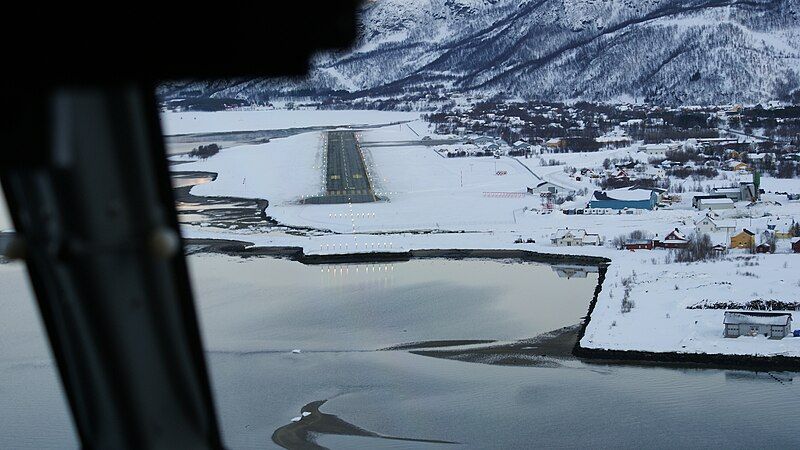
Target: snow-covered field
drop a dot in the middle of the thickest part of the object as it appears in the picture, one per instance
(660, 320)
(425, 191)
(282, 170)
(174, 123)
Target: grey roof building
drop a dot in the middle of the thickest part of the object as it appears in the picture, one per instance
(776, 325)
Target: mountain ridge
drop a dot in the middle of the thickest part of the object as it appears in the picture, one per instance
(660, 51)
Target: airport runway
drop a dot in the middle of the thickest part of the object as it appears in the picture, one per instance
(346, 178)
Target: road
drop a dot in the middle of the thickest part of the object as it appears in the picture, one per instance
(346, 176)
(741, 133)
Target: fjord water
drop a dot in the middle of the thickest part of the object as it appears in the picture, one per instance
(255, 311)
(266, 304)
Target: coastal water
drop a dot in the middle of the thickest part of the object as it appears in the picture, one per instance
(267, 304)
(256, 312)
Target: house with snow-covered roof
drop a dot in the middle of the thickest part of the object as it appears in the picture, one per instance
(775, 325)
(619, 177)
(631, 123)
(715, 204)
(764, 248)
(708, 224)
(520, 145)
(638, 244)
(738, 166)
(614, 140)
(673, 239)
(781, 228)
(564, 237)
(550, 188)
(483, 140)
(668, 164)
(657, 149)
(556, 143)
(712, 202)
(733, 193)
(743, 239)
(592, 239)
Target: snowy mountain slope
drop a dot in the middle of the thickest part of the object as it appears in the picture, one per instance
(669, 51)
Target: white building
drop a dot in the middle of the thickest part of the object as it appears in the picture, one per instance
(564, 237)
(592, 239)
(775, 325)
(713, 204)
(708, 224)
(631, 123)
(521, 145)
(483, 141)
(548, 187)
(657, 149)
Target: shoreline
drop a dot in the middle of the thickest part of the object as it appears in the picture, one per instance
(675, 359)
(504, 352)
(243, 249)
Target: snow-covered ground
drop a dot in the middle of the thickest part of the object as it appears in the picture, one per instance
(660, 321)
(282, 170)
(174, 123)
(426, 191)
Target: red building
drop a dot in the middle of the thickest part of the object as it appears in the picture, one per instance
(642, 244)
(763, 248)
(674, 239)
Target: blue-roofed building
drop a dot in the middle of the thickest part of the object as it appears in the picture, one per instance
(631, 198)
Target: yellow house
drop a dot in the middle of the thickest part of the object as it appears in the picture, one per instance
(745, 239)
(740, 166)
(782, 229)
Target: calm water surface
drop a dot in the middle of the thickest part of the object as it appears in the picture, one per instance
(254, 312)
(267, 304)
